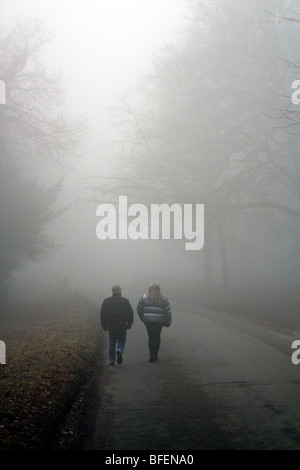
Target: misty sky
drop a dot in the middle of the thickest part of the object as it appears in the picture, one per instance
(101, 46)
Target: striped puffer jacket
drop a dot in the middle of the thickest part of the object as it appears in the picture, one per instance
(158, 312)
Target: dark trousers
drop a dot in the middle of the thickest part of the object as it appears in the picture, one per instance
(154, 331)
(117, 340)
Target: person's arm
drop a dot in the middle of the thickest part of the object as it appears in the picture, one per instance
(129, 316)
(103, 316)
(140, 308)
(168, 312)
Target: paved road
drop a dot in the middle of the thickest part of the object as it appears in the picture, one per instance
(220, 383)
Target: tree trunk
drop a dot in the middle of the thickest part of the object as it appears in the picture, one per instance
(223, 253)
(208, 250)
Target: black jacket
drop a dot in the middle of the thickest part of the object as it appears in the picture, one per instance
(116, 313)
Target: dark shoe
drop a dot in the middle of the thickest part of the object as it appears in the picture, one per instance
(152, 358)
(111, 364)
(119, 357)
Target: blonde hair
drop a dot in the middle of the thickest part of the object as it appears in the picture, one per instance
(154, 292)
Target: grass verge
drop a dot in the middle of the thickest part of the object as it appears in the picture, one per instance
(48, 362)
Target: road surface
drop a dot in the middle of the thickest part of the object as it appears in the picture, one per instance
(220, 383)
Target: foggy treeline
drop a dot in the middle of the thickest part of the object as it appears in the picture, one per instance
(35, 139)
(212, 123)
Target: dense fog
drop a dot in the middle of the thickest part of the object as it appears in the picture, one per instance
(165, 102)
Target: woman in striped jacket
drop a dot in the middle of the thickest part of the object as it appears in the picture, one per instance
(155, 312)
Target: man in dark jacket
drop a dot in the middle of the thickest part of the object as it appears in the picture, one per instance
(116, 317)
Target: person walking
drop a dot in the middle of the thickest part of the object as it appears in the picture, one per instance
(154, 310)
(116, 317)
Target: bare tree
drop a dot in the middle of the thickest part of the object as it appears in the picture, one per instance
(34, 135)
(200, 130)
